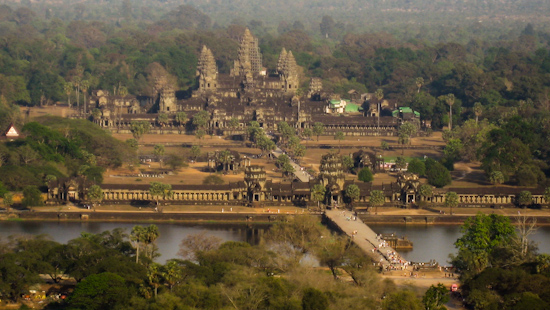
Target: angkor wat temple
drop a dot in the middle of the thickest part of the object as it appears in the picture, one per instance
(248, 93)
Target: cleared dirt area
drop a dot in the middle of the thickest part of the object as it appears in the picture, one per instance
(59, 110)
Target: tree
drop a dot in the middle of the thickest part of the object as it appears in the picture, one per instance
(547, 195)
(403, 299)
(403, 139)
(175, 161)
(95, 194)
(353, 193)
(162, 120)
(450, 100)
(478, 110)
(451, 200)
(377, 198)
(32, 196)
(139, 128)
(225, 158)
(160, 190)
(496, 177)
(318, 129)
(400, 163)
(347, 163)
(8, 201)
(408, 129)
(419, 82)
(287, 169)
(282, 160)
(3, 189)
(233, 123)
(285, 131)
(194, 245)
(199, 134)
(200, 120)
(313, 299)
(76, 85)
(154, 276)
(96, 114)
(181, 119)
(84, 85)
(318, 192)
(438, 175)
(68, 87)
(525, 198)
(326, 26)
(365, 175)
(100, 291)
(379, 94)
(307, 133)
(417, 166)
(339, 136)
(481, 235)
(132, 143)
(195, 151)
(384, 145)
(425, 191)
(213, 180)
(299, 151)
(158, 151)
(144, 237)
(436, 297)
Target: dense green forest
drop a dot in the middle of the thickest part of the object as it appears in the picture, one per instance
(498, 87)
(500, 269)
(114, 270)
(54, 148)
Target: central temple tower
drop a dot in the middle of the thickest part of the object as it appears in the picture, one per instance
(249, 59)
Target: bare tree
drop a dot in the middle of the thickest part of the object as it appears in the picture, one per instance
(195, 244)
(526, 227)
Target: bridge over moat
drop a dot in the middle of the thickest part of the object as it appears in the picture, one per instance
(363, 236)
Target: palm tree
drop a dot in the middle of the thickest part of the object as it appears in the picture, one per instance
(84, 85)
(76, 84)
(318, 193)
(451, 200)
(339, 136)
(68, 87)
(478, 110)
(419, 83)
(379, 94)
(450, 99)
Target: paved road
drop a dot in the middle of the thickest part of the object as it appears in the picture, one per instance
(365, 237)
(301, 175)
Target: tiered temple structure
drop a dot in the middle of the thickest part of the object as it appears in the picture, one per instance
(248, 93)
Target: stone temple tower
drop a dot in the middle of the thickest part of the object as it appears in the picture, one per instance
(288, 71)
(167, 102)
(331, 176)
(207, 71)
(249, 59)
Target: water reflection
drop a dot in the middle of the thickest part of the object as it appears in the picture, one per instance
(437, 241)
(171, 234)
(430, 242)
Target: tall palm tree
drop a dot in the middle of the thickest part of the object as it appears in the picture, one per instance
(478, 110)
(450, 99)
(76, 84)
(419, 82)
(68, 88)
(379, 94)
(84, 85)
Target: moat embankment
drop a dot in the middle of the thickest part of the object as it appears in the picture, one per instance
(232, 217)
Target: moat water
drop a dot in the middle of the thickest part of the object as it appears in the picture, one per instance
(430, 242)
